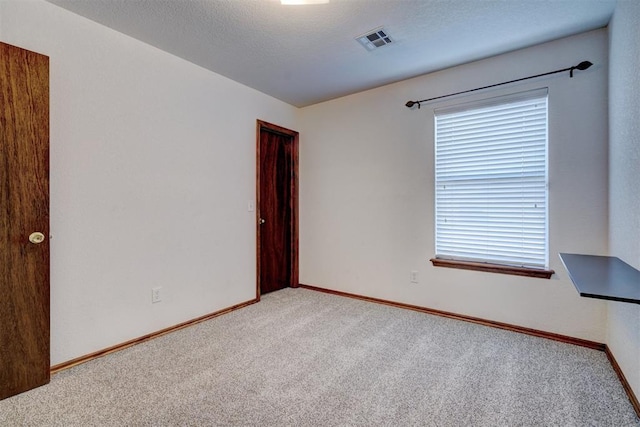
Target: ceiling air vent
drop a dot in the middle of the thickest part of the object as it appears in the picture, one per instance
(374, 39)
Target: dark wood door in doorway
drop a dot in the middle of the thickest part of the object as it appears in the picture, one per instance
(277, 154)
(24, 220)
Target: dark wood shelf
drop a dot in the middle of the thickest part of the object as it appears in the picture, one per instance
(603, 277)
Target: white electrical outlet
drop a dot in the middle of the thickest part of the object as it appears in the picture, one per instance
(156, 294)
(414, 277)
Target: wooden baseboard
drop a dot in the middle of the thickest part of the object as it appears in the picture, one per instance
(82, 359)
(625, 384)
(485, 322)
(514, 328)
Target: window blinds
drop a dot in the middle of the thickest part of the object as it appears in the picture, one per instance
(491, 181)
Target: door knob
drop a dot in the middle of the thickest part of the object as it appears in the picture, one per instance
(262, 221)
(36, 237)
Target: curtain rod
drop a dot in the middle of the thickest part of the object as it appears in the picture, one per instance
(581, 66)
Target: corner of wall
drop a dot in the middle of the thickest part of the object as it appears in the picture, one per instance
(623, 319)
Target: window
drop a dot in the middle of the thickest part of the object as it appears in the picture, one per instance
(491, 183)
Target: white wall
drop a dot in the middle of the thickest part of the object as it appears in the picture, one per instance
(366, 172)
(624, 191)
(152, 166)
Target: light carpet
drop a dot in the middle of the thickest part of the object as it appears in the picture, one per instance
(304, 358)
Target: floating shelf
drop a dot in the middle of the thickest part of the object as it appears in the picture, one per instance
(603, 277)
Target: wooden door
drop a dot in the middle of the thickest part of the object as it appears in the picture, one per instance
(277, 213)
(24, 209)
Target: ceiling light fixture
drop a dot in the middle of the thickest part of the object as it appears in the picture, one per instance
(302, 2)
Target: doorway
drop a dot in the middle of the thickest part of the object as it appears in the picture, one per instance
(277, 208)
(24, 220)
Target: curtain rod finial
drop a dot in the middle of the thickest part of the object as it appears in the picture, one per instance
(581, 66)
(584, 65)
(410, 104)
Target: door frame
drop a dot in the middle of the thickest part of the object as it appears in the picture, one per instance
(293, 189)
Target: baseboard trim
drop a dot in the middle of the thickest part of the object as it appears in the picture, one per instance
(86, 358)
(625, 384)
(480, 321)
(500, 325)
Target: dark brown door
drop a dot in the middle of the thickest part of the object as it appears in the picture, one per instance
(277, 208)
(24, 220)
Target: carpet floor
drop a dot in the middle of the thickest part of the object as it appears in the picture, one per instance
(304, 358)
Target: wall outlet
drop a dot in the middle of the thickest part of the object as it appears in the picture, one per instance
(414, 277)
(156, 294)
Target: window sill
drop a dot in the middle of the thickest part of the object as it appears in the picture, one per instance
(492, 268)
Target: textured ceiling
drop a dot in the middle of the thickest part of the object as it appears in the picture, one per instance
(308, 54)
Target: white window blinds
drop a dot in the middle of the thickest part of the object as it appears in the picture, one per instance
(491, 181)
